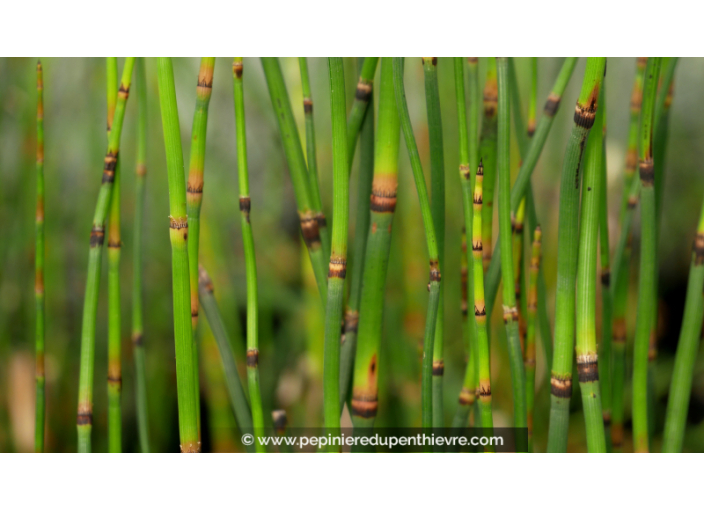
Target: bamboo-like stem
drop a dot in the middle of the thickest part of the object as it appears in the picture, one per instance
(606, 344)
(468, 149)
(529, 351)
(533, 104)
(311, 156)
(585, 346)
(435, 276)
(114, 309)
(487, 154)
(647, 269)
(437, 203)
(561, 374)
(382, 206)
(687, 348)
(40, 405)
(97, 236)
(510, 314)
(348, 348)
(140, 367)
(255, 396)
(183, 332)
(517, 224)
(338, 253)
(362, 98)
(297, 169)
(194, 196)
(238, 398)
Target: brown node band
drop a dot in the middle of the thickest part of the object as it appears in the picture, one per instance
(647, 173)
(115, 379)
(364, 91)
(464, 308)
(97, 237)
(478, 312)
(465, 172)
(434, 271)
(194, 313)
(472, 60)
(252, 358)
(607, 419)
(382, 201)
(584, 115)
(84, 418)
(194, 190)
(588, 368)
(320, 220)
(114, 244)
(433, 60)
(606, 277)
(561, 387)
(364, 406)
(552, 105)
(632, 202)
(698, 249)
(237, 69)
(477, 245)
(307, 105)
(123, 91)
(477, 198)
(245, 206)
(531, 128)
(204, 280)
(438, 367)
(280, 420)
(484, 391)
(138, 340)
(351, 321)
(337, 268)
(310, 230)
(467, 397)
(619, 331)
(178, 223)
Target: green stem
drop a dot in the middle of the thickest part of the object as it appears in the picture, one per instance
(39, 421)
(255, 396)
(487, 154)
(567, 246)
(362, 98)
(183, 332)
(529, 352)
(84, 420)
(338, 253)
(137, 308)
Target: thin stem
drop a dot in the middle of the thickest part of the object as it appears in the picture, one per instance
(114, 311)
(297, 169)
(382, 206)
(137, 322)
(435, 277)
(529, 352)
(178, 227)
(687, 347)
(84, 420)
(362, 98)
(437, 188)
(585, 348)
(255, 396)
(39, 421)
(647, 269)
(311, 156)
(567, 245)
(338, 253)
(487, 154)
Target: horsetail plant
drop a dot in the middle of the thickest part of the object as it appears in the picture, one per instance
(561, 374)
(510, 310)
(311, 155)
(297, 167)
(687, 347)
(647, 269)
(40, 406)
(338, 253)
(362, 98)
(84, 420)
(255, 396)
(382, 206)
(435, 276)
(178, 228)
(533, 104)
(364, 187)
(114, 313)
(437, 203)
(194, 199)
(585, 348)
(529, 351)
(487, 154)
(140, 367)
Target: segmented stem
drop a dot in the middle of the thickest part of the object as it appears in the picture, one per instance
(40, 406)
(362, 98)
(487, 154)
(529, 352)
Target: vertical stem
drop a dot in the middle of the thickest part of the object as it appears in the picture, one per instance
(647, 269)
(518, 377)
(250, 259)
(338, 253)
(585, 348)
(435, 276)
(311, 156)
(437, 189)
(137, 323)
(529, 352)
(382, 206)
(362, 98)
(114, 314)
(487, 154)
(194, 196)
(39, 421)
(183, 332)
(567, 245)
(84, 421)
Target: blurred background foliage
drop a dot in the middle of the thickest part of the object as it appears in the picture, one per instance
(291, 316)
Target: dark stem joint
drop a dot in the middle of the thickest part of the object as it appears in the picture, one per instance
(337, 268)
(647, 173)
(97, 237)
(438, 367)
(252, 358)
(552, 105)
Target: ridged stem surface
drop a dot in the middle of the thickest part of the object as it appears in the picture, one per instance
(40, 406)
